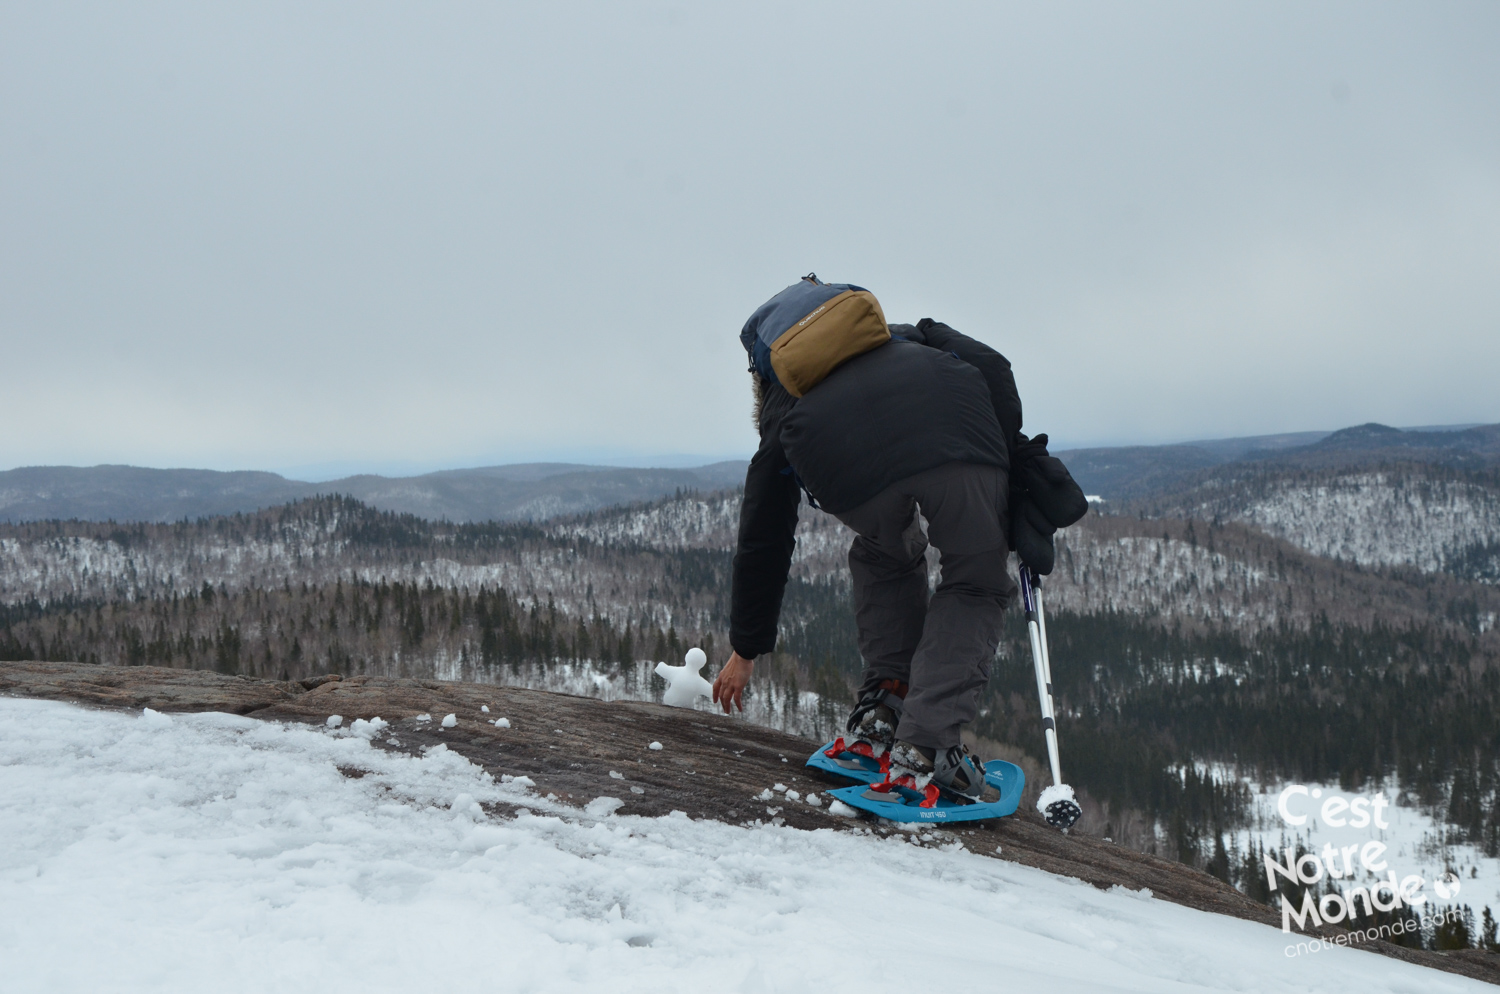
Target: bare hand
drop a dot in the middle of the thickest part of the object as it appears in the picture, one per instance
(730, 684)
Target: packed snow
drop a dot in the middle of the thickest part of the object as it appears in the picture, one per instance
(215, 852)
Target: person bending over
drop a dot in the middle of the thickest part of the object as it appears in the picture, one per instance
(922, 424)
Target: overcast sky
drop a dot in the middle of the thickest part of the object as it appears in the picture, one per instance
(394, 237)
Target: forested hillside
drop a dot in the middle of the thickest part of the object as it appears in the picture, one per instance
(1178, 642)
(1434, 518)
(1372, 495)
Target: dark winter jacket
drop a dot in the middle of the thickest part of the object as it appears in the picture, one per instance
(929, 397)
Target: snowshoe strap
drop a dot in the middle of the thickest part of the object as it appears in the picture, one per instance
(858, 747)
(949, 765)
(930, 792)
(891, 693)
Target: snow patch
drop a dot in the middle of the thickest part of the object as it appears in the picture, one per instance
(155, 719)
(603, 807)
(226, 853)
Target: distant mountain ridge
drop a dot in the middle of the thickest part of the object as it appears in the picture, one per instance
(1125, 476)
(526, 491)
(1154, 472)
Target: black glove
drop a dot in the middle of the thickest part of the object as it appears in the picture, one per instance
(1031, 534)
(1043, 498)
(1047, 481)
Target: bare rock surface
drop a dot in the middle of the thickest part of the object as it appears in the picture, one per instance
(708, 765)
(143, 687)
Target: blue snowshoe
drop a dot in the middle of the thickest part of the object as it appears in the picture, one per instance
(916, 792)
(896, 801)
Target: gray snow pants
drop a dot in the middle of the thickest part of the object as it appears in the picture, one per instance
(943, 647)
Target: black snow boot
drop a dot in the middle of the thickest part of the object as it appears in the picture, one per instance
(876, 715)
(956, 771)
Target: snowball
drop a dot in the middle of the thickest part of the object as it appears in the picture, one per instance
(154, 719)
(814, 800)
(616, 776)
(464, 804)
(654, 747)
(603, 807)
(502, 722)
(780, 788)
(637, 790)
(423, 717)
(485, 708)
(792, 795)
(838, 807)
(764, 795)
(369, 729)
(334, 720)
(450, 720)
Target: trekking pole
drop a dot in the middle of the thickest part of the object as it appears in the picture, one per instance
(1058, 804)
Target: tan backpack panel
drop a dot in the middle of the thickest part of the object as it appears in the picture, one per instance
(848, 325)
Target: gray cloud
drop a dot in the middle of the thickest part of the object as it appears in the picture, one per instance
(383, 235)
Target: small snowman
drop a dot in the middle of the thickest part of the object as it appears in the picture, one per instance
(685, 684)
